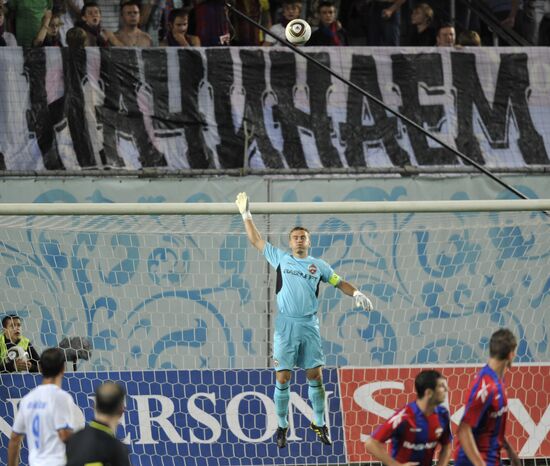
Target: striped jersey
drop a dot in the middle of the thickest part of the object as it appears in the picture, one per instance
(486, 413)
(298, 281)
(415, 436)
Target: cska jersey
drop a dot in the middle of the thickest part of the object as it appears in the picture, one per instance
(486, 412)
(298, 281)
(414, 435)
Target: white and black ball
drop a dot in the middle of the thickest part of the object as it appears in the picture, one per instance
(298, 32)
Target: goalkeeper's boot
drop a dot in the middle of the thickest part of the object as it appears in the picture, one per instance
(281, 436)
(322, 433)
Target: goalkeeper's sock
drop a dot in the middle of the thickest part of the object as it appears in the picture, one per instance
(316, 394)
(281, 398)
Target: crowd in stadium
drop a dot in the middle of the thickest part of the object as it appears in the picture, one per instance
(145, 23)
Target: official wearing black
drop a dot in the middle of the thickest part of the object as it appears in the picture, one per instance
(96, 443)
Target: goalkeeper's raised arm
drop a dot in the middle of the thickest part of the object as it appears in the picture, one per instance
(251, 230)
(297, 339)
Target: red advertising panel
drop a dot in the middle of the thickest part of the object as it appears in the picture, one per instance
(370, 395)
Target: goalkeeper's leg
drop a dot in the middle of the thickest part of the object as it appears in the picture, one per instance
(281, 398)
(285, 349)
(316, 394)
(313, 359)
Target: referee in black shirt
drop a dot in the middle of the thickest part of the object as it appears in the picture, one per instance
(96, 443)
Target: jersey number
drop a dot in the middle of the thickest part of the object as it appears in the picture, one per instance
(36, 430)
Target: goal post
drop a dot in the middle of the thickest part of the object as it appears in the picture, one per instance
(180, 307)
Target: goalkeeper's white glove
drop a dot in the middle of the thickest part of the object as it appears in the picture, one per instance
(244, 208)
(362, 301)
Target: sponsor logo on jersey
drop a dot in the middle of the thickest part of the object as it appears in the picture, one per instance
(312, 269)
(438, 432)
(419, 446)
(299, 274)
(500, 412)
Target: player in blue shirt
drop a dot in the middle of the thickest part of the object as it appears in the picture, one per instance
(297, 340)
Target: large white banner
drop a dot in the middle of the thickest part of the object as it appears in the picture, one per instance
(269, 108)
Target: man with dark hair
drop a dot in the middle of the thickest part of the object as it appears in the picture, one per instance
(330, 31)
(90, 21)
(416, 429)
(297, 338)
(46, 416)
(178, 24)
(96, 443)
(446, 35)
(16, 351)
(481, 433)
(129, 33)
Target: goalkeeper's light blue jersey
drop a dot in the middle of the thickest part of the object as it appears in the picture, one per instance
(298, 281)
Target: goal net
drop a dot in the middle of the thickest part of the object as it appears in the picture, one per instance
(181, 309)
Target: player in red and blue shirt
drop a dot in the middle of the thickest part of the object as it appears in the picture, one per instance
(417, 429)
(481, 432)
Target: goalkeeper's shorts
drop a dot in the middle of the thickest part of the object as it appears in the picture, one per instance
(297, 343)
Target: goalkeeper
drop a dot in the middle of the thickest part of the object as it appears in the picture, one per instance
(297, 340)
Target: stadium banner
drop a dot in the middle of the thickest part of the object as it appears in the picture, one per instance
(224, 417)
(269, 108)
(199, 417)
(371, 395)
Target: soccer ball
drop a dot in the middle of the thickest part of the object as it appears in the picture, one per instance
(16, 352)
(298, 32)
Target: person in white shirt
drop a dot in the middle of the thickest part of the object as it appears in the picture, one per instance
(45, 416)
(291, 9)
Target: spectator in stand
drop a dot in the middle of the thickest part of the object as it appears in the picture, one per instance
(211, 24)
(28, 18)
(247, 34)
(505, 11)
(76, 38)
(330, 31)
(129, 34)
(7, 39)
(178, 22)
(355, 17)
(469, 39)
(446, 36)
(69, 12)
(48, 35)
(384, 22)
(152, 13)
(291, 10)
(17, 354)
(423, 33)
(536, 21)
(91, 23)
(310, 11)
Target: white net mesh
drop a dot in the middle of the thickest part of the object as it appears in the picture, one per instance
(181, 309)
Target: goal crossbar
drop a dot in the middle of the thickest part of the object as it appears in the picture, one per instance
(272, 207)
